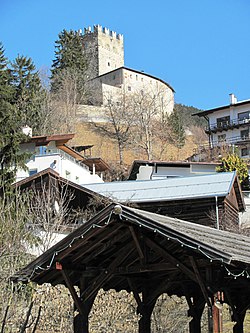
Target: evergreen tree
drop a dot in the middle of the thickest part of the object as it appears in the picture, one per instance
(69, 64)
(28, 93)
(175, 122)
(10, 130)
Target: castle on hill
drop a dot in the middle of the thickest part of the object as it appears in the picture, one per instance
(109, 78)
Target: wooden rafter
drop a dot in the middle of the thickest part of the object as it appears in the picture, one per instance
(137, 243)
(170, 258)
(106, 275)
(96, 249)
(200, 281)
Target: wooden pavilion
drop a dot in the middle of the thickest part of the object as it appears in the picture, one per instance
(148, 254)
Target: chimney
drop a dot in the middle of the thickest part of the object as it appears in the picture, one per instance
(233, 99)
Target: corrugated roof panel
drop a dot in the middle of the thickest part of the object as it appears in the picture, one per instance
(166, 189)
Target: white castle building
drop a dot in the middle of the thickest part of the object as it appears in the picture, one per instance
(109, 78)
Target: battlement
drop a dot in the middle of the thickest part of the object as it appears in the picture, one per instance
(99, 29)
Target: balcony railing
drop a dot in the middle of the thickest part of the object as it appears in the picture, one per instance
(225, 125)
(55, 151)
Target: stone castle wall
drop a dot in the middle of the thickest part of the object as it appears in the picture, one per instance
(104, 50)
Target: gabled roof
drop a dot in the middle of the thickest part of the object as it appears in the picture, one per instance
(135, 71)
(111, 234)
(220, 108)
(217, 185)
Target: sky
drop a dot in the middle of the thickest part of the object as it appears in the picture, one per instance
(200, 47)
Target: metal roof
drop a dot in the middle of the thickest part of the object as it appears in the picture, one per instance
(180, 188)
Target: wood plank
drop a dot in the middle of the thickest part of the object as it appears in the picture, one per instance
(170, 258)
(102, 278)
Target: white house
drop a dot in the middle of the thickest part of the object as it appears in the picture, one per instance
(146, 170)
(53, 152)
(229, 125)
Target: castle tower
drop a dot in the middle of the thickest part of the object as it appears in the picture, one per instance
(103, 49)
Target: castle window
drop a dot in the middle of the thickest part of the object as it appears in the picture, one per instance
(108, 63)
(136, 77)
(129, 88)
(113, 77)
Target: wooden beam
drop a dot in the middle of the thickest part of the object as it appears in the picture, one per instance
(137, 243)
(102, 278)
(170, 258)
(95, 250)
(161, 267)
(200, 281)
(73, 293)
(135, 292)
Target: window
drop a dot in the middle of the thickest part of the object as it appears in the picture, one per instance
(108, 63)
(243, 117)
(32, 172)
(113, 77)
(67, 173)
(129, 88)
(42, 150)
(244, 152)
(244, 135)
(222, 138)
(223, 121)
(136, 77)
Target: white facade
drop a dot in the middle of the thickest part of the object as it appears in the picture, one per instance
(229, 125)
(161, 170)
(51, 156)
(126, 82)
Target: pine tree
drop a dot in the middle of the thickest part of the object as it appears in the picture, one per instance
(10, 129)
(69, 64)
(178, 132)
(28, 92)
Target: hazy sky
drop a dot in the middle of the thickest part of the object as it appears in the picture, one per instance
(200, 47)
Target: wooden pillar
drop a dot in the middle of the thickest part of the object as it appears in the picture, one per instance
(81, 324)
(239, 326)
(145, 321)
(196, 308)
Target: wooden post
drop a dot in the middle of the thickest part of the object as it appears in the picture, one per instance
(145, 321)
(81, 320)
(196, 308)
(239, 326)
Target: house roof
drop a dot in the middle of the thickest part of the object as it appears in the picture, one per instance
(108, 244)
(138, 72)
(43, 140)
(217, 185)
(174, 164)
(225, 107)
